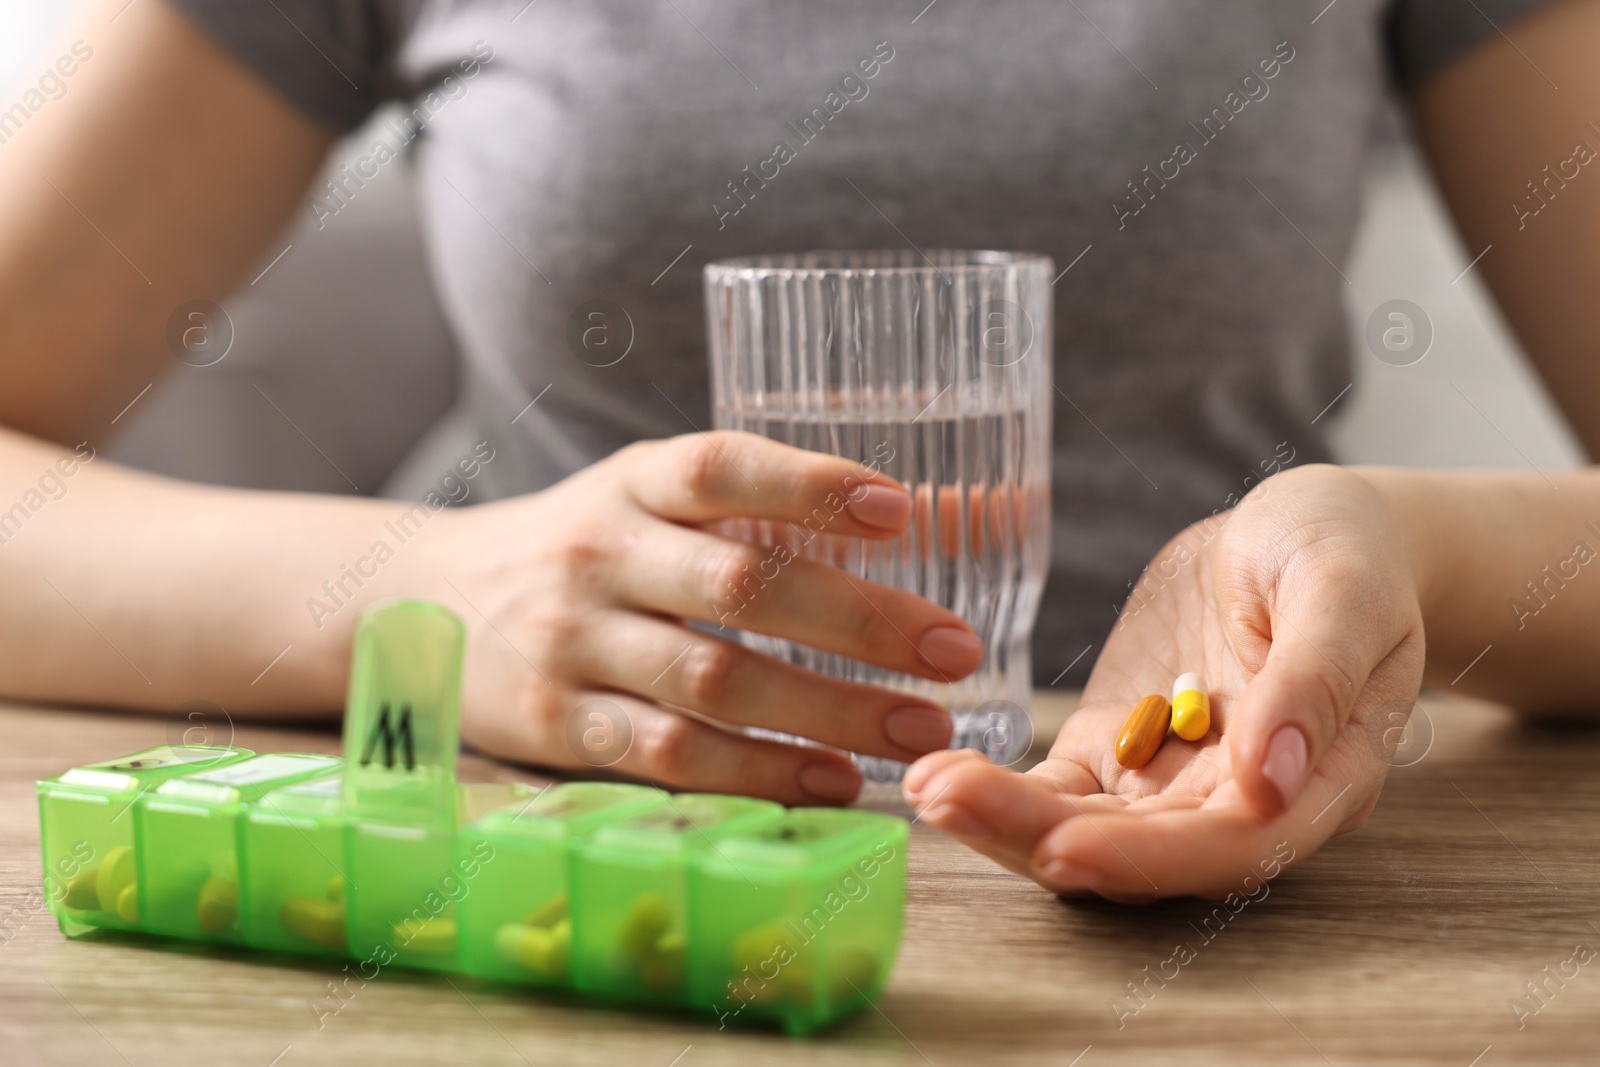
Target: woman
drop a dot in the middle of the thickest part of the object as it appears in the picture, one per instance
(1194, 167)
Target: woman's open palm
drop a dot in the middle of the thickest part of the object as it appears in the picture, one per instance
(1299, 611)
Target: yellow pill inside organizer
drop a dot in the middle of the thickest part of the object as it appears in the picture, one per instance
(128, 904)
(318, 921)
(117, 875)
(542, 942)
(1191, 708)
(217, 906)
(435, 936)
(549, 913)
(662, 967)
(83, 891)
(647, 921)
(540, 949)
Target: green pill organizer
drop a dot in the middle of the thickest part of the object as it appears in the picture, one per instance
(721, 904)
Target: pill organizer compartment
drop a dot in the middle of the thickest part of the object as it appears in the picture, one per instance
(405, 882)
(401, 740)
(630, 894)
(187, 830)
(291, 865)
(515, 920)
(86, 827)
(799, 922)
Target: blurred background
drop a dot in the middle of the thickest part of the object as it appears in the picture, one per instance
(315, 324)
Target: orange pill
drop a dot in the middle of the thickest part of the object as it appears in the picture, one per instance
(1144, 731)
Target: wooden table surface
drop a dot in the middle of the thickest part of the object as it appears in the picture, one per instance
(1401, 943)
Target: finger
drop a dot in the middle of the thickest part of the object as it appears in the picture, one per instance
(675, 750)
(658, 660)
(998, 812)
(699, 478)
(1321, 655)
(1221, 846)
(691, 574)
(918, 774)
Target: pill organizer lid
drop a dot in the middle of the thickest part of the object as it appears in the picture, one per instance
(244, 781)
(143, 769)
(687, 823)
(807, 837)
(301, 804)
(474, 800)
(402, 720)
(569, 810)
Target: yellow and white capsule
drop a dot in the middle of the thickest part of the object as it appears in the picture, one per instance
(1191, 708)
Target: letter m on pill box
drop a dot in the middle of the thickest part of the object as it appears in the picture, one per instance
(403, 714)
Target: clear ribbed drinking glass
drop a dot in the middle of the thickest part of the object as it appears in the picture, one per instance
(935, 369)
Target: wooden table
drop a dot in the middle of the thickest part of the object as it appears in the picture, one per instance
(1401, 943)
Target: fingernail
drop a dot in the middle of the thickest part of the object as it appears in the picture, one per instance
(953, 819)
(830, 781)
(916, 778)
(946, 648)
(883, 507)
(1067, 873)
(919, 729)
(1285, 765)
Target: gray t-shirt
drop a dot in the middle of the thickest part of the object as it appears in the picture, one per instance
(573, 153)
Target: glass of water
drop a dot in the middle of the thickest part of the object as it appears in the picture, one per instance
(934, 369)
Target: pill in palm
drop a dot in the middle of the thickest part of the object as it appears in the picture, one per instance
(1144, 731)
(1191, 708)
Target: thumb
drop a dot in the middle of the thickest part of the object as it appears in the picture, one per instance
(1293, 709)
